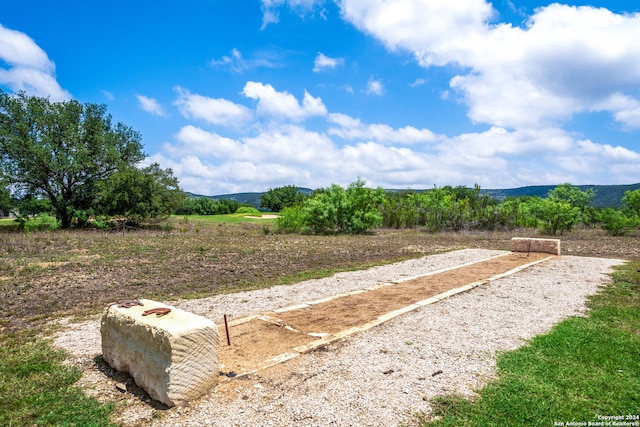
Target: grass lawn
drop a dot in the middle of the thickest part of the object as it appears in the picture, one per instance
(227, 218)
(37, 388)
(585, 369)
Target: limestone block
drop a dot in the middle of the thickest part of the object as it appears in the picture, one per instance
(526, 244)
(174, 357)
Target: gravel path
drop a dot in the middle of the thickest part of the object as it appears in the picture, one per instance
(379, 377)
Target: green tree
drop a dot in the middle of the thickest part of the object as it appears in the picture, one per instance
(276, 199)
(631, 201)
(141, 196)
(6, 202)
(554, 216)
(207, 206)
(292, 220)
(564, 207)
(62, 151)
(618, 222)
(572, 195)
(31, 206)
(398, 209)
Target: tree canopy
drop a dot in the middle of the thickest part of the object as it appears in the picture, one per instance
(65, 152)
(279, 198)
(144, 195)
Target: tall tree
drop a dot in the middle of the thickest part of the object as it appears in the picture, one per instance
(147, 195)
(62, 150)
(279, 198)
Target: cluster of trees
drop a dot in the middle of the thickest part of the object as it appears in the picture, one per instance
(207, 206)
(69, 159)
(461, 208)
(276, 199)
(357, 209)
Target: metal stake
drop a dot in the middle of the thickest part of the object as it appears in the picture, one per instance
(226, 327)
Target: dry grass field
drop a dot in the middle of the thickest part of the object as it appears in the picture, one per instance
(48, 274)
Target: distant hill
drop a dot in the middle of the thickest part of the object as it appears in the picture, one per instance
(252, 199)
(606, 195)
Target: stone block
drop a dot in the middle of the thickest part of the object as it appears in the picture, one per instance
(527, 244)
(173, 357)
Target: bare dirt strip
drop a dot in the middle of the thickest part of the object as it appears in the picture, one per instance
(258, 342)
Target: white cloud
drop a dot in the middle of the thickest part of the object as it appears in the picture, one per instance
(212, 110)
(353, 129)
(30, 69)
(565, 60)
(151, 105)
(194, 140)
(286, 144)
(608, 152)
(236, 62)
(429, 28)
(274, 153)
(270, 13)
(375, 87)
(418, 82)
(283, 154)
(626, 109)
(323, 62)
(348, 89)
(389, 166)
(292, 145)
(282, 104)
(499, 158)
(208, 163)
(110, 96)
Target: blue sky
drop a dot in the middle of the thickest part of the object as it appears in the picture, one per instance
(254, 94)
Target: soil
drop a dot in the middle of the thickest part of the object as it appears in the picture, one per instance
(257, 342)
(46, 275)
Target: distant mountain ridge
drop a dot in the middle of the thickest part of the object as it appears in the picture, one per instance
(606, 195)
(249, 198)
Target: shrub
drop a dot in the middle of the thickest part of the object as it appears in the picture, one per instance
(554, 216)
(39, 222)
(291, 219)
(631, 201)
(248, 210)
(616, 222)
(335, 210)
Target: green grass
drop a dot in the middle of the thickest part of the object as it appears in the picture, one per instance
(227, 218)
(8, 225)
(585, 367)
(37, 388)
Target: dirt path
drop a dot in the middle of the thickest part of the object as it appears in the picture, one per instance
(261, 341)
